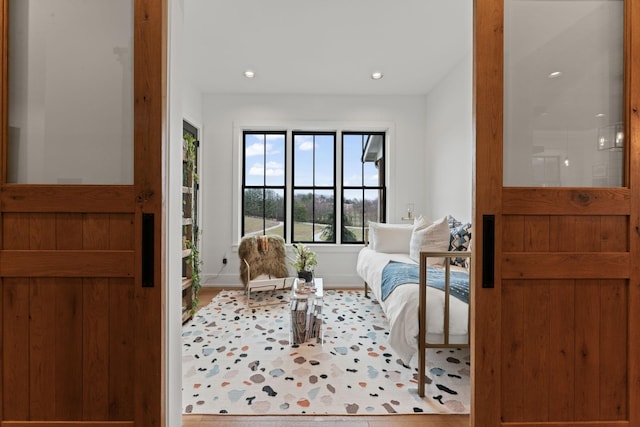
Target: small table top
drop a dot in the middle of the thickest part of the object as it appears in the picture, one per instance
(298, 284)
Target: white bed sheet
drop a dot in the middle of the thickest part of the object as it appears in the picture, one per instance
(401, 307)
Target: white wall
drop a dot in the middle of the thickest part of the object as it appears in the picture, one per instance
(449, 144)
(173, 219)
(184, 102)
(224, 114)
(192, 105)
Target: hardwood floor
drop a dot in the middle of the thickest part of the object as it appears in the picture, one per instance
(206, 294)
(314, 420)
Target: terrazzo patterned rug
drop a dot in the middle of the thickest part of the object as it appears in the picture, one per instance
(238, 360)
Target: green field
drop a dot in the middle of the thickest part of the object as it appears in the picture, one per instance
(253, 225)
(303, 230)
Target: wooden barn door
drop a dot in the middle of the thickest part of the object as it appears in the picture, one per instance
(80, 261)
(556, 338)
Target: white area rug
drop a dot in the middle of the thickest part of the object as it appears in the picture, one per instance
(238, 360)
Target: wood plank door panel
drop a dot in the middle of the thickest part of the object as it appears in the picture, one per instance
(72, 356)
(564, 341)
(556, 337)
(82, 338)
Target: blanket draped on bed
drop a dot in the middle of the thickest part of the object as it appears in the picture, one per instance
(397, 273)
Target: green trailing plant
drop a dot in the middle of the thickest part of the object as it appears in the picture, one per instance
(190, 155)
(195, 262)
(191, 242)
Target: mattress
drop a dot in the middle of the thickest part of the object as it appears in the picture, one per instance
(401, 307)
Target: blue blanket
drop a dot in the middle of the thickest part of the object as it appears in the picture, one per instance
(398, 273)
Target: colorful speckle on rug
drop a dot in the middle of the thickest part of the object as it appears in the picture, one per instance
(238, 360)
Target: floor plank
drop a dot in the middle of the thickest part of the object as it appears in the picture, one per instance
(205, 296)
(314, 420)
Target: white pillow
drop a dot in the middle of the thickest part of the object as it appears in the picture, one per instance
(420, 223)
(390, 238)
(434, 237)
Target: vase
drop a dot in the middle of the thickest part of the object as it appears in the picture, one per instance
(306, 275)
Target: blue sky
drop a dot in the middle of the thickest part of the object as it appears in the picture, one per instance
(275, 160)
(305, 163)
(309, 161)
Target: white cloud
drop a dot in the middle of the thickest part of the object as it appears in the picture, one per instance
(304, 142)
(272, 169)
(258, 149)
(352, 180)
(305, 146)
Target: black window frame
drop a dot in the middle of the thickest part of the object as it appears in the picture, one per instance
(381, 187)
(288, 189)
(264, 187)
(313, 188)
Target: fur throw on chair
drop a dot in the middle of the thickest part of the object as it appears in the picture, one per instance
(265, 255)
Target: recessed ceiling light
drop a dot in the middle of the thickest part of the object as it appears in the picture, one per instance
(555, 74)
(600, 115)
(249, 74)
(376, 75)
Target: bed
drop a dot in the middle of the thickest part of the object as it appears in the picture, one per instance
(441, 248)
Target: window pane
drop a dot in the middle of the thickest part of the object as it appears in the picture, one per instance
(264, 171)
(372, 206)
(303, 216)
(563, 97)
(264, 212)
(324, 160)
(274, 162)
(274, 212)
(303, 160)
(254, 159)
(352, 160)
(324, 216)
(253, 211)
(314, 213)
(363, 166)
(70, 91)
(352, 216)
(371, 175)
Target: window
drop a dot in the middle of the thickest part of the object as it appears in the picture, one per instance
(306, 201)
(363, 189)
(263, 185)
(314, 191)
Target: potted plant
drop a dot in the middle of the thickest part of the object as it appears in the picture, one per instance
(304, 262)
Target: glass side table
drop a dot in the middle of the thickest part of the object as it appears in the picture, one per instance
(306, 311)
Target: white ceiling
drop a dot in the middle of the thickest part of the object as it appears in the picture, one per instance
(324, 46)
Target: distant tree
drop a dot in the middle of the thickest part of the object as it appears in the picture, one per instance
(329, 233)
(274, 205)
(253, 205)
(348, 235)
(347, 219)
(300, 212)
